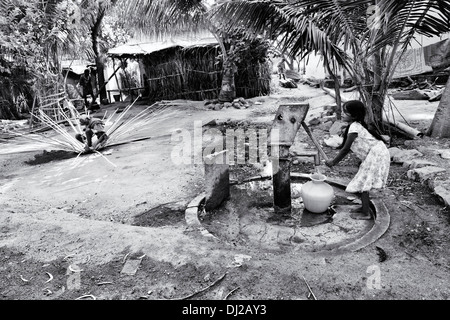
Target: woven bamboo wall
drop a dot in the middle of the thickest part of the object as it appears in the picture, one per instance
(194, 74)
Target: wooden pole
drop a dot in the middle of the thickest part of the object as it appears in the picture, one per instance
(316, 143)
(106, 82)
(32, 112)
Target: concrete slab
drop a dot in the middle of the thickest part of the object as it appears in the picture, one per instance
(131, 267)
(441, 187)
(292, 234)
(401, 156)
(425, 173)
(418, 163)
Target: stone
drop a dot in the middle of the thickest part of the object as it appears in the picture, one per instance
(191, 217)
(445, 153)
(442, 190)
(131, 266)
(314, 121)
(415, 94)
(418, 163)
(425, 173)
(217, 180)
(394, 151)
(338, 127)
(405, 155)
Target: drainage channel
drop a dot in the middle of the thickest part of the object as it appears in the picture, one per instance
(248, 218)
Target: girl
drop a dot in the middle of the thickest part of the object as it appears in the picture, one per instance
(369, 147)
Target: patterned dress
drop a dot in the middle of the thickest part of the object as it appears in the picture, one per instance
(374, 169)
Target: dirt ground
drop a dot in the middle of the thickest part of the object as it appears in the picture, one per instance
(69, 226)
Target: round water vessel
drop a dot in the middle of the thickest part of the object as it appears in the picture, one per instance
(317, 194)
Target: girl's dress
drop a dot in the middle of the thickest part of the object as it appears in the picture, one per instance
(374, 169)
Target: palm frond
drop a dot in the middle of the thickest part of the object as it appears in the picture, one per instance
(164, 17)
(296, 26)
(402, 20)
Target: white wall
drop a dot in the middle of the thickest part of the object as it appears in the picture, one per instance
(314, 67)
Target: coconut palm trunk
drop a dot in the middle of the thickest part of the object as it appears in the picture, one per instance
(95, 31)
(362, 36)
(227, 89)
(440, 126)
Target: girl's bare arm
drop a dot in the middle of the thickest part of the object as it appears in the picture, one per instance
(344, 151)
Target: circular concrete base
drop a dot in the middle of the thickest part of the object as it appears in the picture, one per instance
(248, 218)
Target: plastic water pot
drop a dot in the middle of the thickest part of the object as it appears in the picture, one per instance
(317, 194)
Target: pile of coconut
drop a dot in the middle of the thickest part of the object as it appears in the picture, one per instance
(238, 103)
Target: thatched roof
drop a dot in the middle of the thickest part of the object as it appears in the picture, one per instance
(76, 66)
(138, 49)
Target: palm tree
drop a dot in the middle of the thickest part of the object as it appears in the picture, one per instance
(440, 126)
(165, 18)
(45, 31)
(345, 33)
(34, 33)
(94, 14)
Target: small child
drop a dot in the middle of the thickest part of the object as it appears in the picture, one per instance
(370, 148)
(92, 126)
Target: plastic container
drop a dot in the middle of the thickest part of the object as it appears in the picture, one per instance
(317, 194)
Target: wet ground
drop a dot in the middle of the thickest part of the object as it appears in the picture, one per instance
(249, 217)
(83, 220)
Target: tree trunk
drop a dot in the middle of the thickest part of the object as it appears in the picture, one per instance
(440, 127)
(377, 107)
(95, 31)
(378, 92)
(337, 88)
(228, 88)
(101, 78)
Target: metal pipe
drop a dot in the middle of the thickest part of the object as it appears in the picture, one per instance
(284, 129)
(282, 182)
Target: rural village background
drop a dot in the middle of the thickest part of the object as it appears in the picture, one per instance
(127, 222)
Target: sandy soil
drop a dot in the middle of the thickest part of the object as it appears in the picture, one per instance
(69, 226)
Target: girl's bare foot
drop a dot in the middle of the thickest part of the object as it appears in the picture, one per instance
(360, 216)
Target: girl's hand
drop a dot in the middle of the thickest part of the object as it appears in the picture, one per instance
(329, 163)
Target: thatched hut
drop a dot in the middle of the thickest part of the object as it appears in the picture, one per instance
(190, 69)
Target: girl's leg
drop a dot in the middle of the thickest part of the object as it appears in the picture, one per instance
(365, 202)
(365, 213)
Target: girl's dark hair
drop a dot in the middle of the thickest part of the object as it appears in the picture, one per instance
(357, 110)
